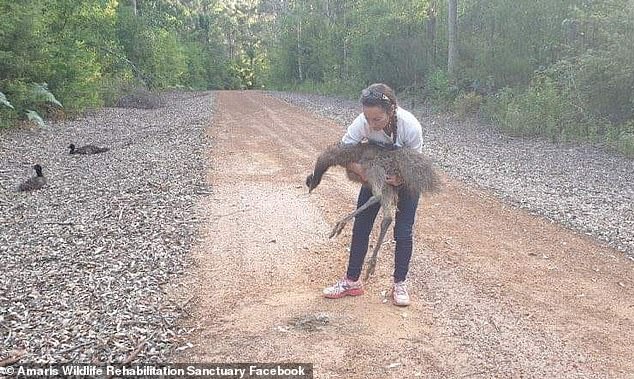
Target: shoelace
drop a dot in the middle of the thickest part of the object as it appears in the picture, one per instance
(400, 289)
(340, 286)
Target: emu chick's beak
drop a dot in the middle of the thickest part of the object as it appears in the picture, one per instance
(309, 183)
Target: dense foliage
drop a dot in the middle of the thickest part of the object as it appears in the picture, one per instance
(563, 69)
(557, 68)
(88, 53)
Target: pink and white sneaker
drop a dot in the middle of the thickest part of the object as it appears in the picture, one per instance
(344, 287)
(400, 296)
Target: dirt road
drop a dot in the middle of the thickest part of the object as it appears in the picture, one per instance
(496, 292)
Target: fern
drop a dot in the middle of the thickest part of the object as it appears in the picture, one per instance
(35, 117)
(40, 90)
(4, 101)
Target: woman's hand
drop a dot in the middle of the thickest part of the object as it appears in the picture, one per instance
(394, 180)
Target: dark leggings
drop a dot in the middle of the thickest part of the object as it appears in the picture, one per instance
(403, 224)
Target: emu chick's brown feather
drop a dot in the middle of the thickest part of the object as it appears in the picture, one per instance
(35, 182)
(414, 168)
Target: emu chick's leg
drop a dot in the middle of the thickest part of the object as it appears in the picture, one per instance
(341, 223)
(385, 224)
(389, 199)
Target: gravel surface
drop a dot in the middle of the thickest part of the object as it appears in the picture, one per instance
(583, 187)
(84, 259)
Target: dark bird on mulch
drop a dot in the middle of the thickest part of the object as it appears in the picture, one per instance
(34, 183)
(86, 150)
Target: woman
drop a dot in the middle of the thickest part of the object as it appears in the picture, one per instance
(382, 121)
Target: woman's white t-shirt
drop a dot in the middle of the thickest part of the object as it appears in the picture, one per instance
(409, 132)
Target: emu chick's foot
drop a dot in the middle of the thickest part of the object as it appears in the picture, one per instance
(385, 224)
(370, 270)
(338, 228)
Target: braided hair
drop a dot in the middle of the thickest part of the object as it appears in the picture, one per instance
(381, 95)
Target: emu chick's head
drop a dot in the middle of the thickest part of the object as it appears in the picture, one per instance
(35, 182)
(38, 170)
(311, 182)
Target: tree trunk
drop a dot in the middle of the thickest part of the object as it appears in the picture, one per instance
(299, 51)
(431, 30)
(345, 59)
(345, 45)
(453, 39)
(134, 8)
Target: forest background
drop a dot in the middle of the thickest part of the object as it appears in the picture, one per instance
(559, 69)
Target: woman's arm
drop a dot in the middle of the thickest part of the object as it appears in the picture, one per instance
(356, 131)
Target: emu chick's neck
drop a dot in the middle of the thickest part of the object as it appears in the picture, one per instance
(343, 155)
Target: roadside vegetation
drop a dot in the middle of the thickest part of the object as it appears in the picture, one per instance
(562, 70)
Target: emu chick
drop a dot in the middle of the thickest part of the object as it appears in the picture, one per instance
(87, 149)
(34, 183)
(378, 161)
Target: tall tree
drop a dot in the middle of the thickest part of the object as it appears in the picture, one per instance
(452, 56)
(300, 69)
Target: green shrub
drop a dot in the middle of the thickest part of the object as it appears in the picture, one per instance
(154, 52)
(23, 100)
(468, 103)
(196, 74)
(601, 85)
(544, 110)
(114, 85)
(76, 76)
(18, 93)
(621, 138)
(539, 110)
(439, 91)
(167, 62)
(8, 114)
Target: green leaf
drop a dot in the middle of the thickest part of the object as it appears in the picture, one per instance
(41, 90)
(35, 117)
(4, 101)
